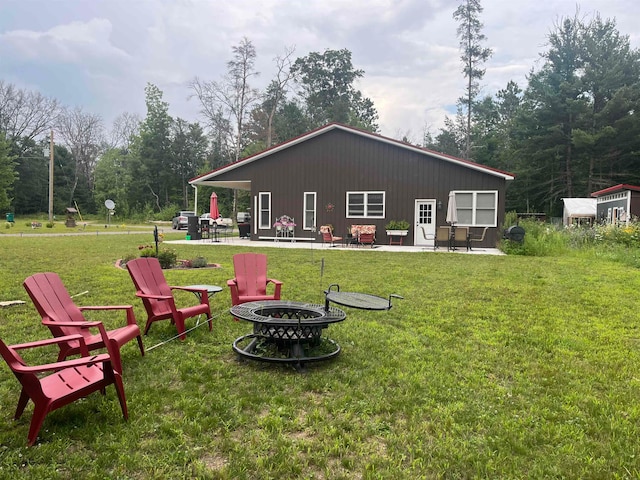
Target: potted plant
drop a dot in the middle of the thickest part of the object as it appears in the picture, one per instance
(397, 228)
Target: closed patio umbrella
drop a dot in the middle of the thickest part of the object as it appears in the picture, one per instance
(213, 206)
(452, 209)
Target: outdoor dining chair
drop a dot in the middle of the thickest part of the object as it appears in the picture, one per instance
(157, 295)
(443, 235)
(63, 317)
(328, 237)
(428, 236)
(54, 385)
(365, 234)
(479, 239)
(461, 235)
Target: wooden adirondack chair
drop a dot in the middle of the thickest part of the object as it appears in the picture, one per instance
(63, 317)
(67, 381)
(250, 284)
(157, 295)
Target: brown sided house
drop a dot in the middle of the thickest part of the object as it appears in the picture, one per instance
(342, 176)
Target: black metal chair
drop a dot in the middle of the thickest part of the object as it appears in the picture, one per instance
(205, 228)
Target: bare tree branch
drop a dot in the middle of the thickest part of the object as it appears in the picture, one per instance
(25, 115)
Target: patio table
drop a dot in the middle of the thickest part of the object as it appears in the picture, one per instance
(211, 291)
(362, 301)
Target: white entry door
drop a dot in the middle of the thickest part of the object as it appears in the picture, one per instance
(425, 220)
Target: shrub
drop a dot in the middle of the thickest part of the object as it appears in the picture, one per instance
(397, 225)
(198, 262)
(541, 239)
(126, 258)
(148, 251)
(167, 258)
(50, 224)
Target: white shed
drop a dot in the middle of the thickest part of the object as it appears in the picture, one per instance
(578, 210)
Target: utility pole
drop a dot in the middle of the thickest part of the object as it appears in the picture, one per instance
(51, 178)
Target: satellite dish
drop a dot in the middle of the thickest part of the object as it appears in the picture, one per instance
(109, 204)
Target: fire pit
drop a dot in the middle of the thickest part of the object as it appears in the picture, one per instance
(286, 332)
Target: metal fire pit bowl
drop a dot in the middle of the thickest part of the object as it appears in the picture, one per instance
(286, 332)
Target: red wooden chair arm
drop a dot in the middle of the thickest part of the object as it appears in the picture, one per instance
(278, 286)
(47, 341)
(233, 286)
(77, 324)
(50, 323)
(107, 307)
(112, 349)
(157, 297)
(131, 319)
(76, 362)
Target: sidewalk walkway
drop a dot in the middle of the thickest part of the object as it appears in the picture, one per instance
(241, 242)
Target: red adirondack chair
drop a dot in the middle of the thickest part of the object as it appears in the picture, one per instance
(250, 284)
(63, 317)
(157, 296)
(66, 382)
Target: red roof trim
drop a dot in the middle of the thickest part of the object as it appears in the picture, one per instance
(615, 188)
(331, 126)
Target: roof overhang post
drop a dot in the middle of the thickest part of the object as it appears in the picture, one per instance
(195, 202)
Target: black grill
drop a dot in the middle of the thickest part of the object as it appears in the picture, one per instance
(514, 233)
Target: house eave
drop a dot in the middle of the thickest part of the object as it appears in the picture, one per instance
(237, 184)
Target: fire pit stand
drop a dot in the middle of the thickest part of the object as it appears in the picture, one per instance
(286, 332)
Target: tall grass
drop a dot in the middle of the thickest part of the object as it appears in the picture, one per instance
(615, 242)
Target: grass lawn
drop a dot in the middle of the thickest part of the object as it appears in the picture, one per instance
(491, 367)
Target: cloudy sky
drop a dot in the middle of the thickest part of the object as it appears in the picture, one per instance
(100, 54)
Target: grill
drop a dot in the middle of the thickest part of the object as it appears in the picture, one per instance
(514, 233)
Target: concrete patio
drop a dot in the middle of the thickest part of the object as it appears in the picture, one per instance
(241, 242)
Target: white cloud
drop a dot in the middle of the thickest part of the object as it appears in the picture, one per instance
(101, 54)
(74, 42)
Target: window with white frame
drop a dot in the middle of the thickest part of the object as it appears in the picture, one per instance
(365, 204)
(309, 214)
(477, 209)
(264, 207)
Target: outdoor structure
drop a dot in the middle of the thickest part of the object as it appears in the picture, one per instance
(339, 175)
(617, 204)
(71, 217)
(578, 211)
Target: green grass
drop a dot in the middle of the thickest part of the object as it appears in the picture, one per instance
(23, 226)
(491, 367)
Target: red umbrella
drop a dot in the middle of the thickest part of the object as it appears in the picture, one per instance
(213, 206)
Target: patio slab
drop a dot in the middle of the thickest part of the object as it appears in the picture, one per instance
(241, 242)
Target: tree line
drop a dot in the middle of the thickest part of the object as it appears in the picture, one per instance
(571, 130)
(144, 164)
